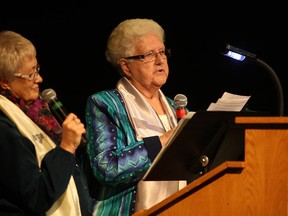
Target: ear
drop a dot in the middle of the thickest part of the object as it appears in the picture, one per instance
(4, 84)
(125, 67)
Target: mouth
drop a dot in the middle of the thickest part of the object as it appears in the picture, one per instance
(160, 70)
(36, 88)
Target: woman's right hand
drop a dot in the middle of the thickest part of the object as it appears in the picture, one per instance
(164, 138)
(72, 131)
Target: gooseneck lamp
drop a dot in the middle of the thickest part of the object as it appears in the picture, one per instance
(241, 55)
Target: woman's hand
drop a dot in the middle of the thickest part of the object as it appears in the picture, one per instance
(72, 133)
(164, 138)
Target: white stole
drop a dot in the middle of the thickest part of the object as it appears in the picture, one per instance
(68, 203)
(146, 122)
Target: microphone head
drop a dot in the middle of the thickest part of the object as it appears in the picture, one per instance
(48, 95)
(180, 101)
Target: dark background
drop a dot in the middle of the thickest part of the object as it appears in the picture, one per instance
(70, 38)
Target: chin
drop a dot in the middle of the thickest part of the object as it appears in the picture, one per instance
(34, 96)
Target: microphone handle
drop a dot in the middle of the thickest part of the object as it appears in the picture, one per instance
(180, 112)
(61, 113)
(58, 109)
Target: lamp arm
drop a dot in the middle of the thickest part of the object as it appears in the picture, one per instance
(277, 85)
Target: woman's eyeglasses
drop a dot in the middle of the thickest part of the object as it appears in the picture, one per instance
(31, 76)
(151, 55)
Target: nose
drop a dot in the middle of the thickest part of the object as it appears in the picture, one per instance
(158, 58)
(39, 78)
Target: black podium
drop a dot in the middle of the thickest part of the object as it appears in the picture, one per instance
(206, 140)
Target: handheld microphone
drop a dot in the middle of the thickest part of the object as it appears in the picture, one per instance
(60, 112)
(181, 102)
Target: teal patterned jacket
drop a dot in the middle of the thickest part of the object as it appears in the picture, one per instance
(118, 160)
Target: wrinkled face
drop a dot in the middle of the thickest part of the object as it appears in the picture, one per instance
(26, 83)
(150, 70)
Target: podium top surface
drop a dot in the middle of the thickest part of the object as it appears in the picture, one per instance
(261, 120)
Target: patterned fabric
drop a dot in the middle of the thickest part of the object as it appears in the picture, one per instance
(40, 113)
(113, 148)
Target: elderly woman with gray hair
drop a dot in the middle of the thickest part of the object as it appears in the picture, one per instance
(127, 126)
(40, 174)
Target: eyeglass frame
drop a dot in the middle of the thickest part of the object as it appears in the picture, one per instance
(163, 53)
(30, 76)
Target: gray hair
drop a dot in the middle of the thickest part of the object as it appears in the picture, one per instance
(14, 49)
(123, 38)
